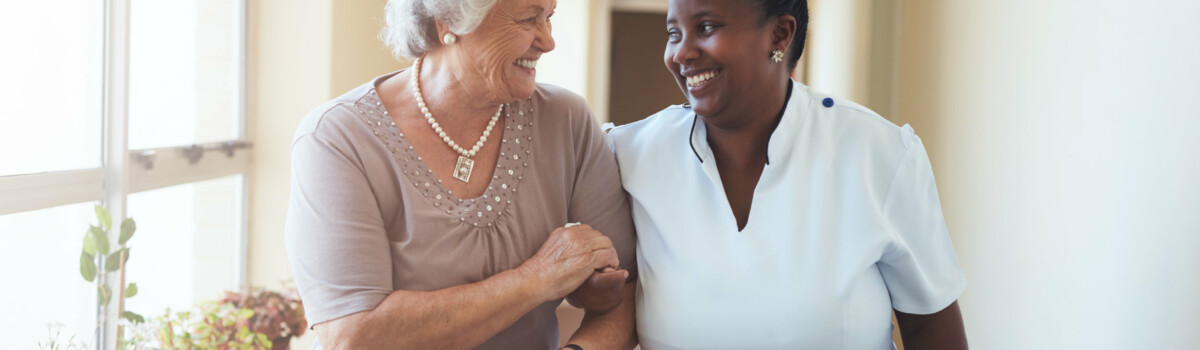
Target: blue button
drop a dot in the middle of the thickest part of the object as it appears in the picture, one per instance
(828, 102)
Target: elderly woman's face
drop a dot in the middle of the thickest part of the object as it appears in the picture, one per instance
(507, 45)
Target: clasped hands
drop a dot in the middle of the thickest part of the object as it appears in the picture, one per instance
(579, 263)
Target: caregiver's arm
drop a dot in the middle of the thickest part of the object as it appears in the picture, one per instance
(942, 330)
(465, 316)
(612, 330)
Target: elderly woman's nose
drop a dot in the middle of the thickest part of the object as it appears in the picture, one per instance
(545, 41)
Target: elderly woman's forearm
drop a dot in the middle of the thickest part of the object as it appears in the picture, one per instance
(460, 317)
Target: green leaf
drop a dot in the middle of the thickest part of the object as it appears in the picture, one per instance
(113, 262)
(89, 245)
(131, 290)
(245, 313)
(127, 229)
(100, 240)
(87, 267)
(133, 317)
(105, 293)
(105, 219)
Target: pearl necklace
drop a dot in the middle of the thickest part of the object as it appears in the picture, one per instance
(464, 166)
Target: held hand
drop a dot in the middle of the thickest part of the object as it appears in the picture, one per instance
(602, 292)
(568, 258)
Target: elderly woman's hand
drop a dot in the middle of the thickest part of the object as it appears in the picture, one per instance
(601, 293)
(568, 258)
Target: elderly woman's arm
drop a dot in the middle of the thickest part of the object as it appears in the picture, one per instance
(465, 316)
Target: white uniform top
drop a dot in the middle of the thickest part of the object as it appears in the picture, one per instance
(845, 225)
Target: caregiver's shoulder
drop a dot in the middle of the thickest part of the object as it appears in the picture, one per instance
(853, 122)
(676, 118)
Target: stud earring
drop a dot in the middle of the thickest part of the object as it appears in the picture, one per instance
(777, 56)
(449, 38)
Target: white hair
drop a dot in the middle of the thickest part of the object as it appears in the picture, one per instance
(411, 25)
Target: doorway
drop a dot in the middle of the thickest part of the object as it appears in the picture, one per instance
(640, 84)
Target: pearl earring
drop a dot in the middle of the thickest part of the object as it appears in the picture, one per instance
(450, 38)
(777, 56)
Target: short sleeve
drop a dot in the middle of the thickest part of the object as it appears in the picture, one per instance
(597, 198)
(920, 268)
(335, 237)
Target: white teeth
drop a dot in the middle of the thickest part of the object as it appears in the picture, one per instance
(701, 78)
(527, 64)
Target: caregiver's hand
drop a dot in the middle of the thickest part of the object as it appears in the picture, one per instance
(568, 258)
(601, 293)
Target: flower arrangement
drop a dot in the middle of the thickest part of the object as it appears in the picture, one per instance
(255, 319)
(280, 316)
(54, 339)
(258, 319)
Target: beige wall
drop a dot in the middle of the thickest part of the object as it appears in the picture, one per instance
(301, 54)
(1062, 135)
(851, 51)
(357, 53)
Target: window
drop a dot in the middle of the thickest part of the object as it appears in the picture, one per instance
(183, 72)
(43, 283)
(136, 105)
(50, 96)
(189, 232)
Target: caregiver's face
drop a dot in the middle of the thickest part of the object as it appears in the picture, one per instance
(504, 50)
(717, 50)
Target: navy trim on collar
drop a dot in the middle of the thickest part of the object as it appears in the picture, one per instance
(695, 118)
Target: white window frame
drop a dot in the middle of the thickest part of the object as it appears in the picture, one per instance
(124, 171)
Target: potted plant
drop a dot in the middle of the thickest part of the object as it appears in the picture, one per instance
(280, 316)
(211, 325)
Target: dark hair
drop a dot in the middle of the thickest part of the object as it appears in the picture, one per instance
(799, 10)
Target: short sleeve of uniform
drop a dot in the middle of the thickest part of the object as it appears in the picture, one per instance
(920, 268)
(335, 237)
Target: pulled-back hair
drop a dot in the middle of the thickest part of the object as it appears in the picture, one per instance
(799, 10)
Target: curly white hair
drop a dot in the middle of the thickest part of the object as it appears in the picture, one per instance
(411, 25)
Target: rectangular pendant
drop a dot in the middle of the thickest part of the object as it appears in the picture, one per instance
(462, 170)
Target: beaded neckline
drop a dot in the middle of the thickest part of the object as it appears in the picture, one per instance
(515, 156)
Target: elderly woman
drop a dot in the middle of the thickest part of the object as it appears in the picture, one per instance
(428, 206)
(770, 216)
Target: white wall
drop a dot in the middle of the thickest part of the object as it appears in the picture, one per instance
(566, 65)
(1063, 137)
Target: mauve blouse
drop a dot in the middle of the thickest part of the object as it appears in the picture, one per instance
(367, 217)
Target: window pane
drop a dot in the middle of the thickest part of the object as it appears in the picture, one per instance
(51, 90)
(183, 71)
(186, 246)
(42, 280)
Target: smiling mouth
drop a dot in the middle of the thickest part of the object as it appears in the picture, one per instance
(700, 79)
(525, 63)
